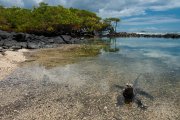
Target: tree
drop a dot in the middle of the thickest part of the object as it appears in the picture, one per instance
(113, 22)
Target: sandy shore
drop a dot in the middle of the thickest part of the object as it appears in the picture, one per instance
(9, 62)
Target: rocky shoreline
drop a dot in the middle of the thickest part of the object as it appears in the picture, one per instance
(15, 41)
(146, 35)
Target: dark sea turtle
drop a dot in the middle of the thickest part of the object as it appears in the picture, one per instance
(129, 94)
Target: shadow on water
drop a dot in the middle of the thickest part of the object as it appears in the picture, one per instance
(144, 93)
(122, 101)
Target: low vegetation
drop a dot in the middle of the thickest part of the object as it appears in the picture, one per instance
(51, 20)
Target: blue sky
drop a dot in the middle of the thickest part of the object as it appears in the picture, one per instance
(136, 15)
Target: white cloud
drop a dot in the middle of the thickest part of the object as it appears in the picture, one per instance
(170, 4)
(9, 3)
(104, 8)
(150, 20)
(125, 12)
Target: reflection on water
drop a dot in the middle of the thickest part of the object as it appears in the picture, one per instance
(112, 47)
(91, 82)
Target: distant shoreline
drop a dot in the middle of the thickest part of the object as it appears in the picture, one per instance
(146, 35)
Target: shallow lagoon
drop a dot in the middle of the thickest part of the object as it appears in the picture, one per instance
(86, 89)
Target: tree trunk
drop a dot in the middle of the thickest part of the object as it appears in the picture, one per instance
(115, 27)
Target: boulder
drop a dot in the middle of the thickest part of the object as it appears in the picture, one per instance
(57, 40)
(28, 37)
(51, 40)
(15, 47)
(76, 40)
(51, 45)
(20, 37)
(1, 42)
(31, 45)
(5, 47)
(43, 39)
(1, 49)
(4, 35)
(66, 38)
(9, 43)
(35, 45)
(23, 44)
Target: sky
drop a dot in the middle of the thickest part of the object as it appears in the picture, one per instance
(135, 15)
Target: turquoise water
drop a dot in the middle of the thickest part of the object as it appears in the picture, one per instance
(91, 81)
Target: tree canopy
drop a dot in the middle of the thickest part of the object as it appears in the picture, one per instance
(49, 19)
(112, 23)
